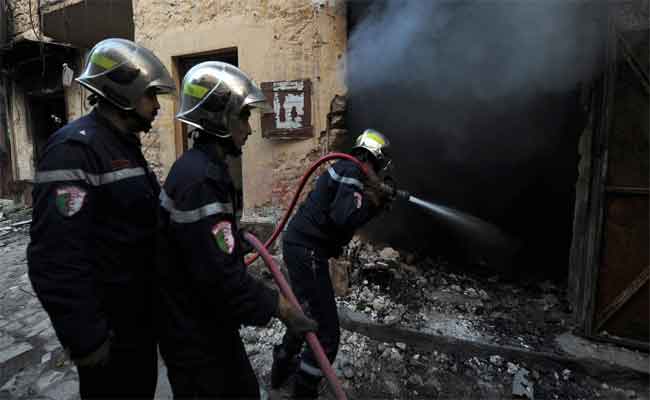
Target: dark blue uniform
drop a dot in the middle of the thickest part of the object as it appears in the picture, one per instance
(93, 242)
(206, 293)
(325, 222)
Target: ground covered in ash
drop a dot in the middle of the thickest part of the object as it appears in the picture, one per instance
(430, 296)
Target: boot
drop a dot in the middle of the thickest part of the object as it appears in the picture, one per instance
(283, 366)
(305, 386)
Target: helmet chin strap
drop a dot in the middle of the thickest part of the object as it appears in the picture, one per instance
(142, 124)
(228, 146)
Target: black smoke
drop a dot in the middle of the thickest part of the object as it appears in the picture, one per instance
(484, 104)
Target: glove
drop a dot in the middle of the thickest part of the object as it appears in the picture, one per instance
(295, 320)
(246, 247)
(100, 357)
(372, 193)
(377, 195)
(371, 190)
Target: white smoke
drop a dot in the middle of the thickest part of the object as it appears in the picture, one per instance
(449, 50)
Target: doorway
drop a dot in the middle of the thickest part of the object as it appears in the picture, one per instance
(47, 113)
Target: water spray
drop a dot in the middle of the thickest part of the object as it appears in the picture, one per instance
(466, 225)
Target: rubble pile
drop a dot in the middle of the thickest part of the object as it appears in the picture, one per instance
(434, 297)
(14, 222)
(401, 291)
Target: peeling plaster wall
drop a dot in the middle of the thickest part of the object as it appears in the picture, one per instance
(21, 22)
(275, 40)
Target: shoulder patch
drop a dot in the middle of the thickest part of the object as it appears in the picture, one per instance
(223, 236)
(358, 199)
(70, 199)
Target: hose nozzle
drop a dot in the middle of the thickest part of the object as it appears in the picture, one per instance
(393, 192)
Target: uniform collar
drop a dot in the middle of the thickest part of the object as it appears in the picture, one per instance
(130, 138)
(210, 147)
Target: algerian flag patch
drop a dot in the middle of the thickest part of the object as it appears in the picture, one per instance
(69, 200)
(222, 233)
(358, 199)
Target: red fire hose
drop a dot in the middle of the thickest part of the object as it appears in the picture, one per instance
(323, 362)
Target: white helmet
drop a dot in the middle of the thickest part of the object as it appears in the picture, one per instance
(376, 144)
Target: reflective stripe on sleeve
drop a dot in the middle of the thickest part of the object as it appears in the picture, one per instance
(344, 179)
(190, 216)
(66, 175)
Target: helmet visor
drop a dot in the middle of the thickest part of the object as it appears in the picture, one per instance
(256, 99)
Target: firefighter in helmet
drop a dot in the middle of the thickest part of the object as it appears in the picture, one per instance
(205, 292)
(93, 232)
(343, 200)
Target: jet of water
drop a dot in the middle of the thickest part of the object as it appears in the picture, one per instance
(465, 225)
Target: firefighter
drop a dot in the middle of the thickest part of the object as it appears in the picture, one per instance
(94, 224)
(205, 292)
(343, 200)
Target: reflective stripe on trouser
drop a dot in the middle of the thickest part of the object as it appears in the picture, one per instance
(310, 281)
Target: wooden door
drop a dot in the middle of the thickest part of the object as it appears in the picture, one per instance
(623, 291)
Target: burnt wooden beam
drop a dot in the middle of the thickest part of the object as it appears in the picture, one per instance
(603, 371)
(619, 341)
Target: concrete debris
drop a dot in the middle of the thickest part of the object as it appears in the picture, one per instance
(7, 206)
(496, 360)
(521, 386)
(512, 368)
(378, 304)
(434, 383)
(389, 254)
(416, 380)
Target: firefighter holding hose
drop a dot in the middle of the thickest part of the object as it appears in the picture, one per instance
(205, 292)
(343, 200)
